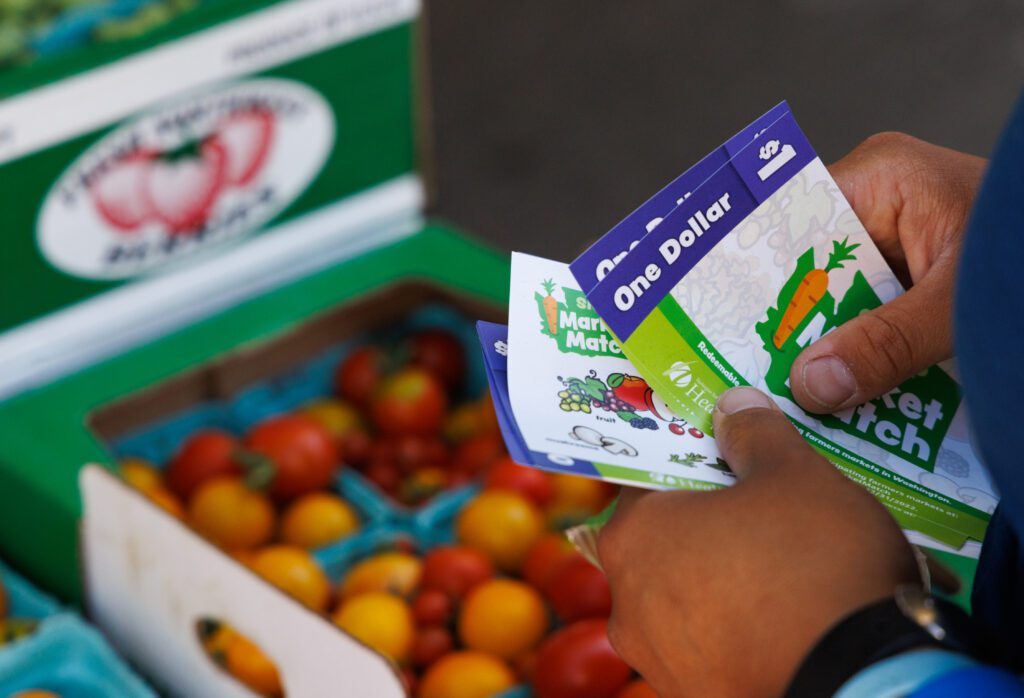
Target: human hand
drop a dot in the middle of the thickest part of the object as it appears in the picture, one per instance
(914, 199)
(724, 593)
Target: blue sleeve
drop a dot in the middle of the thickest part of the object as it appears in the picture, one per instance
(931, 673)
(989, 309)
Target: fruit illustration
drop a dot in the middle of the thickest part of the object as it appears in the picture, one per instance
(181, 189)
(245, 138)
(550, 306)
(677, 429)
(629, 389)
(696, 433)
(119, 192)
(812, 287)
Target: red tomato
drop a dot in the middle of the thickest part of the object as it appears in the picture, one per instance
(579, 662)
(205, 455)
(577, 589)
(411, 401)
(455, 569)
(430, 644)
(432, 607)
(301, 450)
(384, 474)
(533, 484)
(441, 353)
(545, 556)
(474, 455)
(359, 373)
(412, 453)
(356, 446)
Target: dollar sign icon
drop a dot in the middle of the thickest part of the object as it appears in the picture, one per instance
(769, 149)
(501, 348)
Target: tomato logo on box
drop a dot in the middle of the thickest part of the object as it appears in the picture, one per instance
(186, 176)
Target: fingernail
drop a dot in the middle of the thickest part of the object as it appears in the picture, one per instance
(829, 381)
(742, 398)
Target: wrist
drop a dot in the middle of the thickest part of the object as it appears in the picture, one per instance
(908, 621)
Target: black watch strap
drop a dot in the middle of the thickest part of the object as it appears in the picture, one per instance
(866, 636)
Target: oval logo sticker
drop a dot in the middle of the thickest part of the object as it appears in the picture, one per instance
(184, 177)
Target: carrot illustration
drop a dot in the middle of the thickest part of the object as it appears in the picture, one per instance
(812, 287)
(550, 306)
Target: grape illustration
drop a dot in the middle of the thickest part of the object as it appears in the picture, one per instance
(643, 423)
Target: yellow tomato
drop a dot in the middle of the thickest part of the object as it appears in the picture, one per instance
(295, 572)
(335, 416)
(318, 519)
(466, 675)
(393, 572)
(381, 621)
(502, 525)
(231, 515)
(141, 474)
(246, 662)
(504, 617)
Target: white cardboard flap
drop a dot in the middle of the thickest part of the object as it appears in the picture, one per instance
(149, 579)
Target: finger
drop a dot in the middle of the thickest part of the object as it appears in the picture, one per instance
(753, 434)
(613, 539)
(876, 351)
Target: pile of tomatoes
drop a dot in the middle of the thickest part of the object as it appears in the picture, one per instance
(510, 603)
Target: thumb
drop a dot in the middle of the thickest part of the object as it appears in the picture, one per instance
(753, 435)
(876, 351)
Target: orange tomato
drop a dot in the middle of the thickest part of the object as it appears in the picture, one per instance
(504, 617)
(230, 514)
(502, 525)
(295, 572)
(317, 519)
(393, 572)
(141, 474)
(466, 675)
(379, 620)
(584, 494)
(335, 416)
(637, 688)
(35, 693)
(245, 661)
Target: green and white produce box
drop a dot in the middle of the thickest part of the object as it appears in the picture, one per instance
(175, 203)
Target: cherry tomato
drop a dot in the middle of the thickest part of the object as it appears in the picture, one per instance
(394, 572)
(205, 455)
(356, 446)
(411, 401)
(230, 514)
(295, 572)
(380, 620)
(317, 519)
(3, 600)
(432, 607)
(474, 455)
(302, 453)
(358, 374)
(412, 453)
(533, 484)
(442, 354)
(455, 569)
(422, 485)
(431, 643)
(577, 589)
(466, 675)
(637, 688)
(384, 474)
(505, 617)
(245, 661)
(502, 525)
(579, 662)
(339, 418)
(545, 556)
